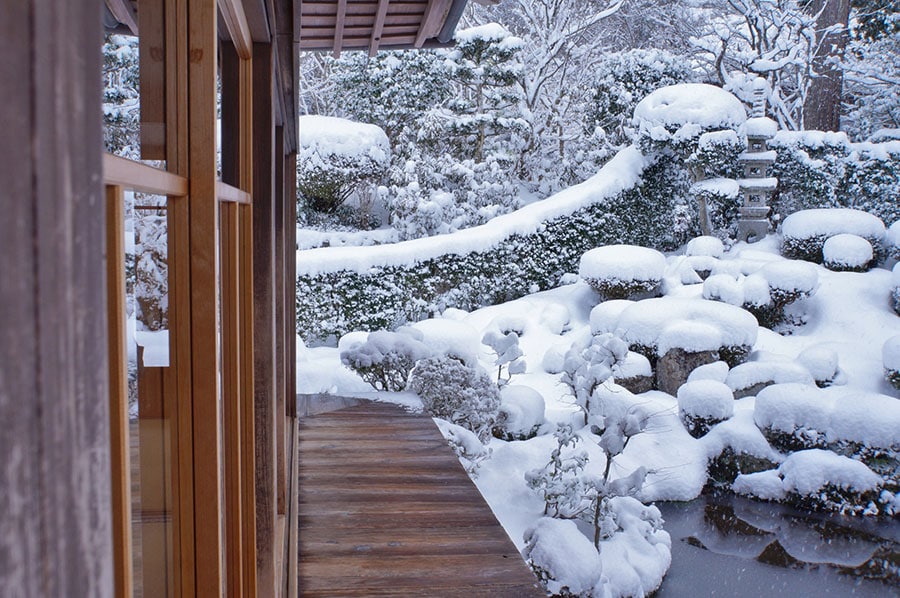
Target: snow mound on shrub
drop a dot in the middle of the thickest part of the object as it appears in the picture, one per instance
(563, 556)
(890, 354)
(865, 418)
(605, 316)
(717, 370)
(828, 222)
(637, 557)
(448, 337)
(752, 373)
(846, 251)
(821, 362)
(622, 262)
(706, 399)
(791, 276)
(689, 103)
(705, 246)
(644, 321)
(329, 135)
(556, 317)
(893, 236)
(490, 32)
(807, 473)
(521, 410)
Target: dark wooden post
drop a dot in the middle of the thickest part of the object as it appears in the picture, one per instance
(263, 314)
(55, 525)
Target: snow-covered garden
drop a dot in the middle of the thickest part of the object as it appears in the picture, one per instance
(588, 378)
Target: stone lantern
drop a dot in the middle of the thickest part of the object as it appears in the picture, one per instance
(755, 186)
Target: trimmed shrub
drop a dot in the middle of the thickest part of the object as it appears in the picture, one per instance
(386, 358)
(623, 271)
(461, 394)
(804, 233)
(847, 253)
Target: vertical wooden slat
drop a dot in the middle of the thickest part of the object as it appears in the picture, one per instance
(290, 299)
(263, 311)
(204, 298)
(279, 317)
(120, 458)
(178, 404)
(231, 325)
(152, 58)
(245, 268)
(54, 378)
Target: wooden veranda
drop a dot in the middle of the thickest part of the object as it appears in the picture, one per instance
(386, 509)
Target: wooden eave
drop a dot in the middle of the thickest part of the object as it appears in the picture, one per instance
(372, 25)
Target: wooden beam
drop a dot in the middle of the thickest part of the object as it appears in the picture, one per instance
(378, 26)
(120, 447)
(228, 194)
(340, 18)
(140, 177)
(238, 28)
(433, 20)
(54, 382)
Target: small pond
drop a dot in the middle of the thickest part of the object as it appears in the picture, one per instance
(723, 545)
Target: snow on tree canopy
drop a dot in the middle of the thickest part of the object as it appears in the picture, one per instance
(447, 337)
(847, 251)
(622, 262)
(491, 32)
(558, 549)
(827, 222)
(328, 135)
(890, 354)
(707, 399)
(700, 104)
(719, 186)
(644, 321)
(705, 246)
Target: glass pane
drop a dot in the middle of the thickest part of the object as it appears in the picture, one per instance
(150, 397)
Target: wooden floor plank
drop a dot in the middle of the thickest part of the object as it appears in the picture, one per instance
(387, 510)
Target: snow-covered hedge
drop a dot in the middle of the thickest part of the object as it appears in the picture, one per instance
(340, 289)
(824, 170)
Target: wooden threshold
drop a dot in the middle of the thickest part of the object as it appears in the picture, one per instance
(386, 509)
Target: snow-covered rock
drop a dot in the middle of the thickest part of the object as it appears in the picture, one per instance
(605, 316)
(747, 379)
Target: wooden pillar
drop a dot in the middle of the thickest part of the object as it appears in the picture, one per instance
(263, 316)
(55, 525)
(280, 341)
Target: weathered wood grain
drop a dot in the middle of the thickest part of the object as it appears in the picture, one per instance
(387, 510)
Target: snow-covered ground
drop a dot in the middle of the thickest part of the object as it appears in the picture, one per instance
(849, 317)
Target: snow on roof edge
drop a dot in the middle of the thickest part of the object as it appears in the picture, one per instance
(622, 172)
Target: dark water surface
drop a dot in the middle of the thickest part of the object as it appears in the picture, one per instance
(724, 545)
